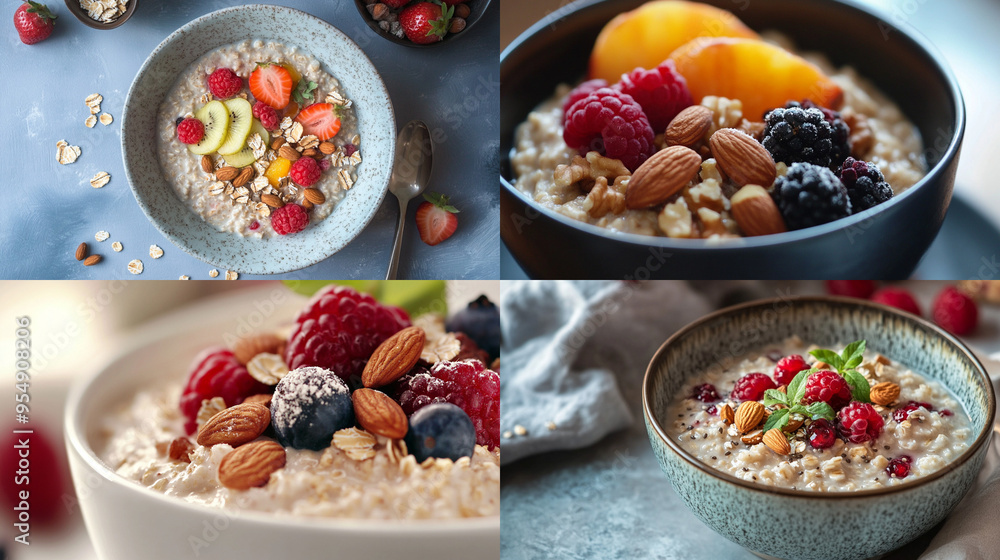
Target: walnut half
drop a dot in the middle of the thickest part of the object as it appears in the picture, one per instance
(606, 199)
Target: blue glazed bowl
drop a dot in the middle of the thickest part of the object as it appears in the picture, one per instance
(783, 523)
(886, 242)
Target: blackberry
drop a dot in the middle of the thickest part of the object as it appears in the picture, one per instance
(810, 195)
(865, 184)
(799, 135)
(841, 132)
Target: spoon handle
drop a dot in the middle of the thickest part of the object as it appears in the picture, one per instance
(394, 260)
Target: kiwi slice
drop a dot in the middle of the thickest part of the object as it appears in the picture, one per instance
(245, 157)
(240, 119)
(215, 117)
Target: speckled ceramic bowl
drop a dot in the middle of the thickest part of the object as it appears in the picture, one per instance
(340, 56)
(783, 523)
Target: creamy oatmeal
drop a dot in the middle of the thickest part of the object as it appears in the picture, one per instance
(239, 208)
(924, 429)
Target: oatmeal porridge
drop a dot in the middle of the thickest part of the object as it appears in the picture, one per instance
(301, 147)
(904, 427)
(669, 171)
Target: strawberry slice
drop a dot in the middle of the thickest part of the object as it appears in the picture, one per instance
(320, 120)
(272, 84)
(436, 219)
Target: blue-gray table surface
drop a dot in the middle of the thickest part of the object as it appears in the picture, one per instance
(51, 208)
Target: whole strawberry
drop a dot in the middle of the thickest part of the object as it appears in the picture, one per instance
(426, 22)
(34, 22)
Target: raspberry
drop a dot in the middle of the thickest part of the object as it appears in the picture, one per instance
(612, 123)
(851, 288)
(799, 135)
(898, 298)
(788, 367)
(903, 412)
(899, 467)
(290, 218)
(216, 372)
(751, 387)
(705, 393)
(858, 422)
(305, 171)
(821, 434)
(865, 184)
(828, 387)
(809, 195)
(224, 83)
(467, 384)
(266, 114)
(955, 312)
(661, 92)
(841, 132)
(339, 329)
(581, 91)
(190, 131)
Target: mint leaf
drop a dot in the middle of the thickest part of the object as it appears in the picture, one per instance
(303, 91)
(853, 354)
(797, 387)
(819, 410)
(859, 385)
(777, 419)
(774, 396)
(829, 357)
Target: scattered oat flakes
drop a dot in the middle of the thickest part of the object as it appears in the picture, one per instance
(213, 273)
(102, 236)
(93, 99)
(135, 266)
(66, 154)
(100, 179)
(267, 368)
(507, 435)
(117, 246)
(520, 430)
(184, 277)
(440, 348)
(357, 444)
(551, 425)
(106, 119)
(90, 122)
(155, 251)
(210, 408)
(232, 275)
(396, 450)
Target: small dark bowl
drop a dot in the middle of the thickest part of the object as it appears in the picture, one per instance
(886, 242)
(81, 14)
(477, 9)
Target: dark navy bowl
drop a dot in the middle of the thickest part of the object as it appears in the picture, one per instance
(783, 523)
(477, 9)
(886, 242)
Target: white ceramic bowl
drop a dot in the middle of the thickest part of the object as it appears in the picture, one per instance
(340, 56)
(127, 521)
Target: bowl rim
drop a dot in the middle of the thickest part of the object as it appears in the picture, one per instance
(212, 259)
(450, 38)
(934, 173)
(75, 439)
(74, 7)
(981, 438)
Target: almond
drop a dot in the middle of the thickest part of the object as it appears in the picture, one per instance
(206, 164)
(245, 175)
(776, 441)
(743, 159)
(277, 142)
(311, 152)
(315, 196)
(748, 416)
(756, 213)
(251, 465)
(884, 393)
(263, 399)
(379, 414)
(81, 252)
(248, 347)
(235, 425)
(327, 147)
(794, 423)
(821, 365)
(306, 205)
(288, 153)
(727, 414)
(689, 126)
(394, 357)
(180, 449)
(91, 260)
(662, 176)
(879, 358)
(274, 201)
(227, 173)
(753, 438)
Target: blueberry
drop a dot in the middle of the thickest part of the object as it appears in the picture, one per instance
(441, 430)
(481, 321)
(308, 406)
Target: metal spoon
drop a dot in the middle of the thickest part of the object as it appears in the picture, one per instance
(410, 173)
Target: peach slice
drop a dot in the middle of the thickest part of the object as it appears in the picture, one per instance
(645, 36)
(761, 75)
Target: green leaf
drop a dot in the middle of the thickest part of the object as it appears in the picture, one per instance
(777, 419)
(829, 357)
(303, 91)
(797, 387)
(819, 410)
(774, 396)
(859, 385)
(853, 355)
(415, 296)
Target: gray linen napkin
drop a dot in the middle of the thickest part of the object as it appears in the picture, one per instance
(563, 345)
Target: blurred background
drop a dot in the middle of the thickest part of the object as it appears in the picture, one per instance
(79, 326)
